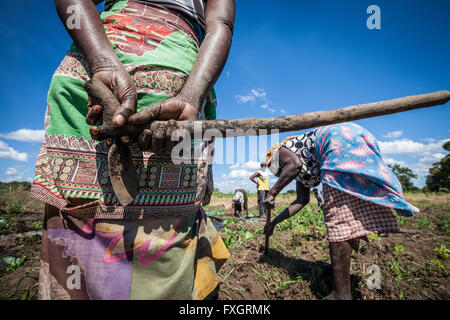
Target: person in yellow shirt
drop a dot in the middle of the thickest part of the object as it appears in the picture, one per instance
(262, 184)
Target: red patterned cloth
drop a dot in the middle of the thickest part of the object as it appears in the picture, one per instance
(348, 217)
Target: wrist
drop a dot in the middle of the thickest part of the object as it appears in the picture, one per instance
(101, 62)
(273, 193)
(191, 97)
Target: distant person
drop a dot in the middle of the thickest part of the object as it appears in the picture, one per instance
(239, 203)
(361, 194)
(262, 184)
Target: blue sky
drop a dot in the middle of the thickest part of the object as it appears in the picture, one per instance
(287, 57)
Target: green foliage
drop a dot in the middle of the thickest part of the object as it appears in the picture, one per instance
(34, 224)
(439, 176)
(446, 145)
(237, 237)
(443, 223)
(16, 206)
(404, 175)
(423, 223)
(399, 248)
(400, 271)
(443, 252)
(6, 220)
(14, 263)
(374, 236)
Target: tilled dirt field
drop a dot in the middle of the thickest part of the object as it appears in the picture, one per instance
(412, 265)
(299, 268)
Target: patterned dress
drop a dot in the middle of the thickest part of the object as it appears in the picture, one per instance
(161, 246)
(361, 193)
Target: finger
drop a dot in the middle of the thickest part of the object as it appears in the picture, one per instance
(169, 144)
(158, 141)
(89, 103)
(145, 140)
(95, 133)
(148, 114)
(126, 140)
(94, 113)
(127, 98)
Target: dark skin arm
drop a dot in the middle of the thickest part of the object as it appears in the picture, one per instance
(104, 64)
(303, 195)
(211, 58)
(291, 165)
(253, 176)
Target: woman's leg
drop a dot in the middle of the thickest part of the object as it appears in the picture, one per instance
(340, 253)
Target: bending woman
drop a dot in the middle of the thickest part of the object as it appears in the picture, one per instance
(163, 56)
(361, 194)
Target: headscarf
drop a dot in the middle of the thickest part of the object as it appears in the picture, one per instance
(272, 157)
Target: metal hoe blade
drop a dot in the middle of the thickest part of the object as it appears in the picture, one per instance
(122, 172)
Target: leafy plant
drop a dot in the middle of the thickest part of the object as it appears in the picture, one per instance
(422, 222)
(443, 252)
(373, 236)
(14, 263)
(443, 223)
(34, 224)
(6, 220)
(399, 248)
(16, 206)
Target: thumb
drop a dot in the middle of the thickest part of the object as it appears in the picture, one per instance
(146, 115)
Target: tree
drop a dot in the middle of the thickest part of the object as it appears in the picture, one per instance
(404, 175)
(439, 177)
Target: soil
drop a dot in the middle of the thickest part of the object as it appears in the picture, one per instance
(297, 266)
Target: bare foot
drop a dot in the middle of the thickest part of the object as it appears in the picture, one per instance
(335, 296)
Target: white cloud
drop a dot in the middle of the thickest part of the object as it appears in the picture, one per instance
(18, 177)
(257, 96)
(238, 173)
(260, 93)
(6, 152)
(244, 99)
(393, 134)
(408, 146)
(11, 171)
(266, 106)
(249, 165)
(392, 161)
(25, 135)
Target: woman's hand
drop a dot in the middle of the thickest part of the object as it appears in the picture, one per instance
(117, 79)
(268, 229)
(176, 108)
(269, 202)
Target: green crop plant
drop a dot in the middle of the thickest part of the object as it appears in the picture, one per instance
(443, 252)
(14, 263)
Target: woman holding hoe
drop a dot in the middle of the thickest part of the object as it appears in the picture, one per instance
(361, 194)
(161, 59)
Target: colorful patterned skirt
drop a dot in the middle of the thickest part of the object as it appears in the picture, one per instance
(348, 217)
(174, 258)
(161, 246)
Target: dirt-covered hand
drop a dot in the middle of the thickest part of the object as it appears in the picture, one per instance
(268, 229)
(176, 108)
(269, 202)
(117, 79)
